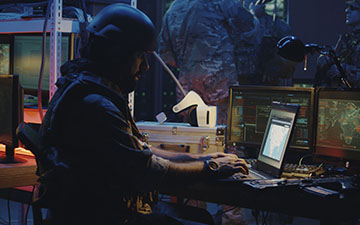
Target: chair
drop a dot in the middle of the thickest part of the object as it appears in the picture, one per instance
(29, 137)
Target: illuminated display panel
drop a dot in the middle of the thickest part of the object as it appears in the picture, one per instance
(338, 124)
(27, 59)
(249, 110)
(4, 58)
(11, 114)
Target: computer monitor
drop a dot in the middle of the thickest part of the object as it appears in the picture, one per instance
(249, 109)
(11, 114)
(338, 124)
(27, 59)
(5, 54)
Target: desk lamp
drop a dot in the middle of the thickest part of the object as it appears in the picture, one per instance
(293, 49)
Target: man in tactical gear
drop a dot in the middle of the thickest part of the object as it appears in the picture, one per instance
(347, 50)
(91, 154)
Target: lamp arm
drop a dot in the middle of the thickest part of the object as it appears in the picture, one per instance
(342, 72)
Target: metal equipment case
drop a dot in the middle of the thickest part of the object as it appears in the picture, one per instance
(183, 137)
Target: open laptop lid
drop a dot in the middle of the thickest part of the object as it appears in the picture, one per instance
(276, 138)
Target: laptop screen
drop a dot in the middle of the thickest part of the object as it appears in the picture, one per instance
(277, 135)
(275, 142)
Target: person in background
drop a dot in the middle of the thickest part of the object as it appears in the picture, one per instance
(92, 158)
(211, 45)
(272, 69)
(347, 50)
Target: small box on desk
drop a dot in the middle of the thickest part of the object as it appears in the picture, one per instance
(183, 137)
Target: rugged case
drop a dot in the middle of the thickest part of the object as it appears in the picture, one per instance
(183, 137)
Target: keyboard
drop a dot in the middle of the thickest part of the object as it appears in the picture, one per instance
(292, 170)
(302, 171)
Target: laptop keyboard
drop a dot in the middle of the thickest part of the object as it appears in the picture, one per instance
(253, 174)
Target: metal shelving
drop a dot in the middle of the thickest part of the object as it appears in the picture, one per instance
(35, 25)
(56, 26)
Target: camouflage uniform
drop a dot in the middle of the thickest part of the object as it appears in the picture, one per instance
(198, 37)
(270, 66)
(347, 50)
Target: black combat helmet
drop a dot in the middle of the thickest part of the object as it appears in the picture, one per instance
(122, 24)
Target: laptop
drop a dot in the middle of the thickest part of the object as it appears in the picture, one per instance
(278, 132)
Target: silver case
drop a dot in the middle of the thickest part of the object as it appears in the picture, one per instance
(183, 136)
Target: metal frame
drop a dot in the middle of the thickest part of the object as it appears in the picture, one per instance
(55, 45)
(131, 96)
(55, 48)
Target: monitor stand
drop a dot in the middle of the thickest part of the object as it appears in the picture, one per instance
(10, 156)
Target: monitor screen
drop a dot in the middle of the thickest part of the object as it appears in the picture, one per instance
(249, 109)
(4, 58)
(27, 59)
(338, 124)
(11, 114)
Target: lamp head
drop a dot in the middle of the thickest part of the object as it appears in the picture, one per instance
(291, 48)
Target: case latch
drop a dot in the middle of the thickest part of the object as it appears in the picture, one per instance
(205, 143)
(174, 130)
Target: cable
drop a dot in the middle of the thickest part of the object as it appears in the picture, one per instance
(256, 220)
(77, 46)
(27, 213)
(264, 217)
(39, 93)
(84, 35)
(170, 72)
(83, 6)
(71, 11)
(302, 158)
(255, 213)
(28, 206)
(8, 205)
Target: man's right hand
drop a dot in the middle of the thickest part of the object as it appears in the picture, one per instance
(229, 165)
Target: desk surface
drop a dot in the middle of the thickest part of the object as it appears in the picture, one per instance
(18, 174)
(291, 200)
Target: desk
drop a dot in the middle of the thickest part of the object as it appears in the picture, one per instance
(291, 200)
(14, 177)
(18, 174)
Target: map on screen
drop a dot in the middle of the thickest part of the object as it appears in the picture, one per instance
(275, 143)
